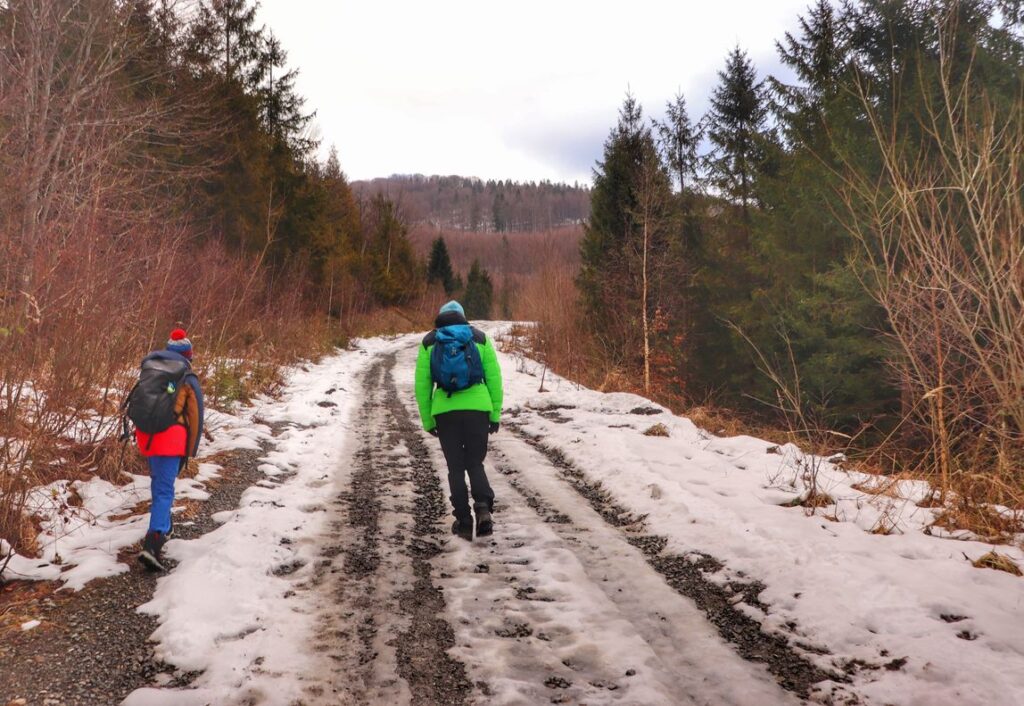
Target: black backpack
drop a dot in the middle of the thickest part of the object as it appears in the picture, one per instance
(150, 404)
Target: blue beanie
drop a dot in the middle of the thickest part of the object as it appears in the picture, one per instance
(453, 306)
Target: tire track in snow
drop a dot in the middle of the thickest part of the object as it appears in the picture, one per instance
(556, 607)
(423, 659)
(380, 624)
(685, 574)
(698, 666)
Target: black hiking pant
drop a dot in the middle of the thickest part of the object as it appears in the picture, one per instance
(463, 436)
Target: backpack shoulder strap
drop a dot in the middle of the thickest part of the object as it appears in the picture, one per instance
(127, 398)
(429, 339)
(479, 336)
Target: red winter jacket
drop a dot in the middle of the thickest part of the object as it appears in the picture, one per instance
(176, 440)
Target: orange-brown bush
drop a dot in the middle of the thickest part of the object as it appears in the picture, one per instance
(549, 299)
(96, 304)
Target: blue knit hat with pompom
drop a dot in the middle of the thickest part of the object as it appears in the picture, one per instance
(179, 343)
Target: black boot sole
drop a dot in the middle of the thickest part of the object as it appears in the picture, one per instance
(485, 529)
(150, 562)
(464, 533)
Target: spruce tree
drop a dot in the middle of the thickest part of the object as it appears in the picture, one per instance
(479, 294)
(280, 104)
(735, 123)
(618, 280)
(439, 267)
(678, 139)
(392, 263)
(612, 201)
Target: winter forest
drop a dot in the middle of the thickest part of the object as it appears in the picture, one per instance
(766, 363)
(840, 255)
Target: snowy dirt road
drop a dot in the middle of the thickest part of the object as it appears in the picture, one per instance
(557, 606)
(624, 569)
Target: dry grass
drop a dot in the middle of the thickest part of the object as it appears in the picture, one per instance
(991, 526)
(723, 422)
(811, 500)
(887, 486)
(658, 429)
(999, 562)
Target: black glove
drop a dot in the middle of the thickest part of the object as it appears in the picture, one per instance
(433, 432)
(493, 428)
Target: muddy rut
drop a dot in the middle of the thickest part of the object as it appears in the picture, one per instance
(382, 625)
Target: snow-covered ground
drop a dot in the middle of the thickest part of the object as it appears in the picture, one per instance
(85, 524)
(560, 604)
(862, 595)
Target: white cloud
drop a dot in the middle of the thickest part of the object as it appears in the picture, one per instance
(500, 89)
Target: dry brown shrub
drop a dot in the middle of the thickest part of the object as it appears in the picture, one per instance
(658, 429)
(941, 231)
(999, 562)
(990, 525)
(883, 485)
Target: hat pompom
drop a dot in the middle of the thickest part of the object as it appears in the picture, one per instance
(178, 334)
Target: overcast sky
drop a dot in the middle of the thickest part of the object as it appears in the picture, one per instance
(525, 90)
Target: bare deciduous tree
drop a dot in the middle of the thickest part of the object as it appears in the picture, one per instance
(942, 236)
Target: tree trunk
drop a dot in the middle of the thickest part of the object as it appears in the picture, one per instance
(646, 322)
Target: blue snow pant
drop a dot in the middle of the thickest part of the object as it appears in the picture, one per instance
(162, 472)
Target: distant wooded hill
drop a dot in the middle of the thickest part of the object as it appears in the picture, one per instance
(468, 203)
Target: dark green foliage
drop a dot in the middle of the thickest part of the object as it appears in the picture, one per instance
(392, 264)
(477, 300)
(679, 139)
(630, 225)
(735, 129)
(261, 191)
(613, 202)
(439, 267)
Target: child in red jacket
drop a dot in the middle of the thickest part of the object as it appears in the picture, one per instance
(168, 451)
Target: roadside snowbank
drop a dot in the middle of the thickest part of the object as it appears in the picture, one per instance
(869, 597)
(85, 524)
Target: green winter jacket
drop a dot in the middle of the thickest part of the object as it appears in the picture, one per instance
(484, 397)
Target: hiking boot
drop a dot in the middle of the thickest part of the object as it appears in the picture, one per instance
(484, 524)
(463, 529)
(152, 545)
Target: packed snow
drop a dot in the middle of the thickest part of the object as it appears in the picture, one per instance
(227, 608)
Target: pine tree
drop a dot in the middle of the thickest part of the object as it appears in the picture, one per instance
(678, 139)
(735, 123)
(499, 212)
(280, 104)
(439, 267)
(337, 239)
(224, 34)
(618, 280)
(479, 294)
(393, 266)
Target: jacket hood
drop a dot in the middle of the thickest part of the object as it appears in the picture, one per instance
(167, 355)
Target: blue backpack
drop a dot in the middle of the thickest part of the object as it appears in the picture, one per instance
(455, 360)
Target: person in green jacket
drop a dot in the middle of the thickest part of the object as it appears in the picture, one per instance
(459, 393)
